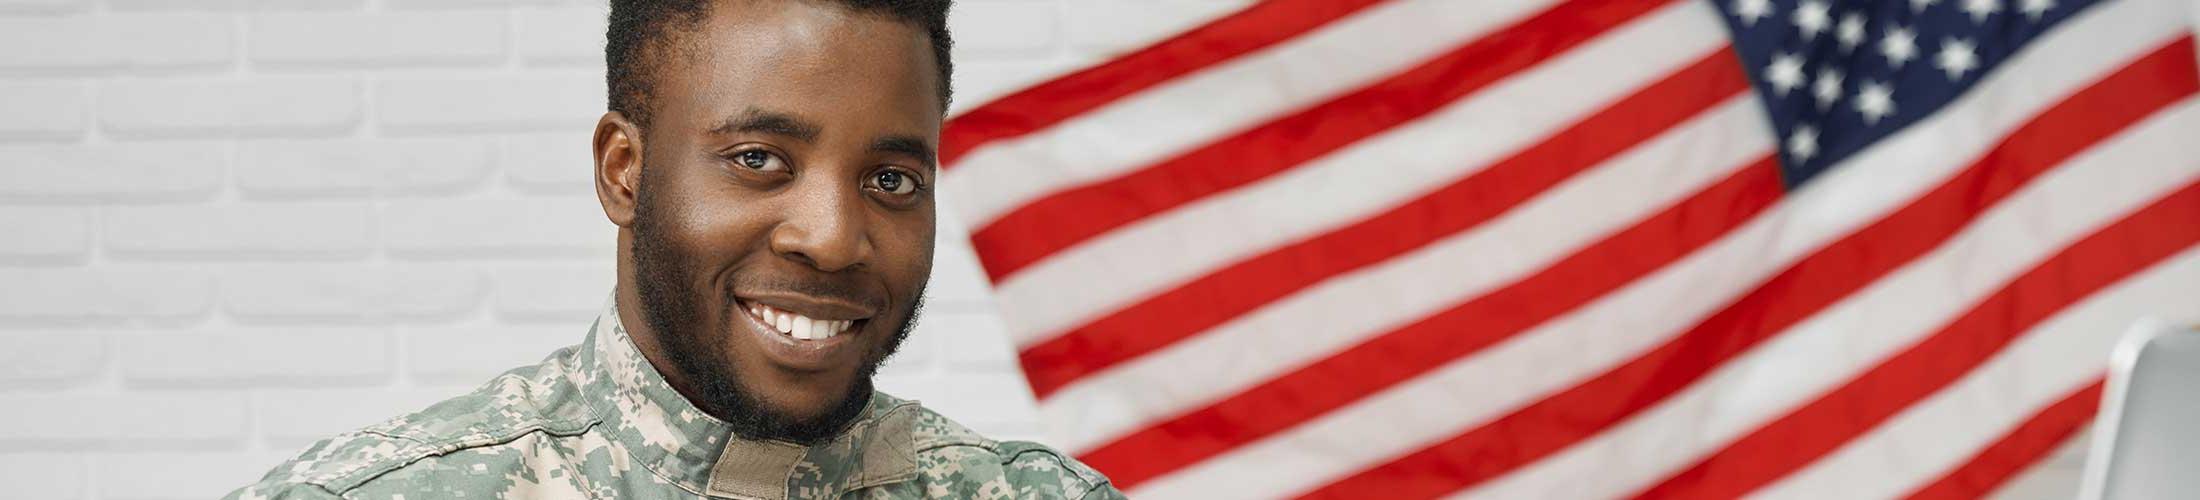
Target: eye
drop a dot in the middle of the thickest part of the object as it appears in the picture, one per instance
(894, 182)
(759, 160)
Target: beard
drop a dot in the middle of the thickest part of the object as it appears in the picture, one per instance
(671, 310)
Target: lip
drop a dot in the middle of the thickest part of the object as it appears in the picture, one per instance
(802, 355)
(806, 305)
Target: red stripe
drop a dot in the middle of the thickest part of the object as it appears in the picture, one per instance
(2018, 449)
(1064, 219)
(1471, 326)
(1815, 429)
(1046, 104)
(1185, 311)
(1567, 417)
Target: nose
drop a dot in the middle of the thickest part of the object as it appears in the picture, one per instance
(824, 227)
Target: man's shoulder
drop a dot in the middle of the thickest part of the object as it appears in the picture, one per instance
(527, 400)
(954, 461)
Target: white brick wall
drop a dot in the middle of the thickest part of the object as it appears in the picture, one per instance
(236, 226)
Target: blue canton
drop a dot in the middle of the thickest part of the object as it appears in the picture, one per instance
(1837, 76)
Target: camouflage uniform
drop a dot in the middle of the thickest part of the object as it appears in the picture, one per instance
(595, 420)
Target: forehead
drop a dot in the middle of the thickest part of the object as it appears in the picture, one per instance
(816, 60)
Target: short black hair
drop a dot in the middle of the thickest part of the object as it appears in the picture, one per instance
(636, 42)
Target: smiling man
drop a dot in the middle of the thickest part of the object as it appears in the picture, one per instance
(770, 164)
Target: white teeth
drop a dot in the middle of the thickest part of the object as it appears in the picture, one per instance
(798, 326)
(802, 326)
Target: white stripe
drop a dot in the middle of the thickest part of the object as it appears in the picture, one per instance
(1113, 270)
(1201, 107)
(2064, 354)
(1643, 314)
(1340, 312)
(1841, 342)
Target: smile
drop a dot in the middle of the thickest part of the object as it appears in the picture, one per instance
(797, 326)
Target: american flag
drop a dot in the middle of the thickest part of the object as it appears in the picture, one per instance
(1591, 248)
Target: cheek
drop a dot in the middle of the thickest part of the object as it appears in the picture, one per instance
(708, 234)
(717, 228)
(908, 250)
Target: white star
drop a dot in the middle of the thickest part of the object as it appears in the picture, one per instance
(1811, 18)
(1899, 46)
(1851, 31)
(1920, 5)
(1875, 101)
(1979, 9)
(1956, 58)
(2036, 8)
(1749, 11)
(1785, 73)
(1803, 143)
(1828, 87)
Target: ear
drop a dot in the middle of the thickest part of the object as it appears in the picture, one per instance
(618, 146)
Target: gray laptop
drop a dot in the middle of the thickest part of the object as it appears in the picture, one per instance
(2147, 437)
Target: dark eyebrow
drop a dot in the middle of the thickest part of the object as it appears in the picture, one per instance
(907, 145)
(767, 122)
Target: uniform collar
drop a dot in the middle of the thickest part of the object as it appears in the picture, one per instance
(664, 432)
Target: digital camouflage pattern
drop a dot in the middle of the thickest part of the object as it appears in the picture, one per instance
(595, 420)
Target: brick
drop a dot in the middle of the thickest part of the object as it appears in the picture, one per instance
(501, 228)
(234, 5)
(463, 4)
(549, 163)
(46, 475)
(262, 105)
(562, 293)
(51, 358)
(180, 475)
(559, 100)
(972, 341)
(995, 28)
(258, 357)
(410, 38)
(147, 171)
(41, 6)
(116, 41)
(185, 419)
(468, 355)
(287, 168)
(45, 234)
(561, 35)
(1112, 28)
(298, 293)
(44, 110)
(241, 231)
(293, 418)
(107, 292)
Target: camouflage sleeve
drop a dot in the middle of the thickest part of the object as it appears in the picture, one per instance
(325, 468)
(1036, 468)
(275, 490)
(1103, 491)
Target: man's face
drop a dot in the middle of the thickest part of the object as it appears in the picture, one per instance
(783, 222)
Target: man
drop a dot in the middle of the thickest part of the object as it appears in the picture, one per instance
(770, 165)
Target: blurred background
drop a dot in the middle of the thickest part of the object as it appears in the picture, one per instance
(229, 228)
